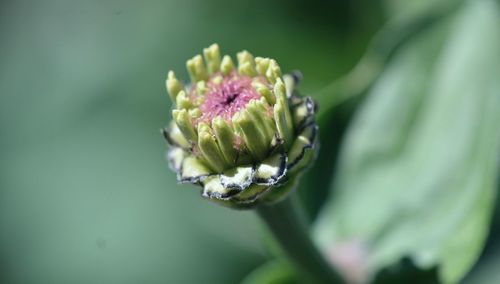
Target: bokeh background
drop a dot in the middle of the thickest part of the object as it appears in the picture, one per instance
(85, 193)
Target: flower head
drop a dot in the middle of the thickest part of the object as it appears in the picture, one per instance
(242, 133)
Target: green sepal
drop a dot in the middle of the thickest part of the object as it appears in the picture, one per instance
(271, 170)
(303, 113)
(302, 149)
(279, 192)
(174, 136)
(192, 170)
(291, 80)
(238, 178)
(250, 194)
(294, 101)
(175, 157)
(213, 189)
(232, 204)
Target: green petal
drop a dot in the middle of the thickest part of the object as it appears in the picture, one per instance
(208, 146)
(259, 115)
(284, 132)
(252, 135)
(226, 139)
(302, 149)
(174, 136)
(273, 71)
(173, 85)
(175, 156)
(303, 113)
(246, 63)
(193, 170)
(237, 178)
(182, 101)
(196, 69)
(265, 92)
(271, 170)
(261, 65)
(213, 189)
(184, 123)
(226, 65)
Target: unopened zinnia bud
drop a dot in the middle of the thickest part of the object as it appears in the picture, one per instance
(242, 134)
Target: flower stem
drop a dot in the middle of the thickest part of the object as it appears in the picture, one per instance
(288, 226)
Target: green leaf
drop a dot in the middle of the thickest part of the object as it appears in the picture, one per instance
(274, 272)
(487, 271)
(418, 167)
(403, 9)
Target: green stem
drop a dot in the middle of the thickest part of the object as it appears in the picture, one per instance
(288, 226)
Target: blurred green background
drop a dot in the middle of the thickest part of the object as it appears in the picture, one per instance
(85, 192)
(86, 195)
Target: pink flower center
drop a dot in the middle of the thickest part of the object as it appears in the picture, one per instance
(228, 97)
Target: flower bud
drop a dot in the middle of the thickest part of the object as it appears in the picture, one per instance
(243, 134)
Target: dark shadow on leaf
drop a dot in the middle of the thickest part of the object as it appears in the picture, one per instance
(406, 272)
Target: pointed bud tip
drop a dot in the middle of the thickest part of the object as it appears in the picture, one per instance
(212, 57)
(279, 89)
(173, 85)
(226, 65)
(196, 69)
